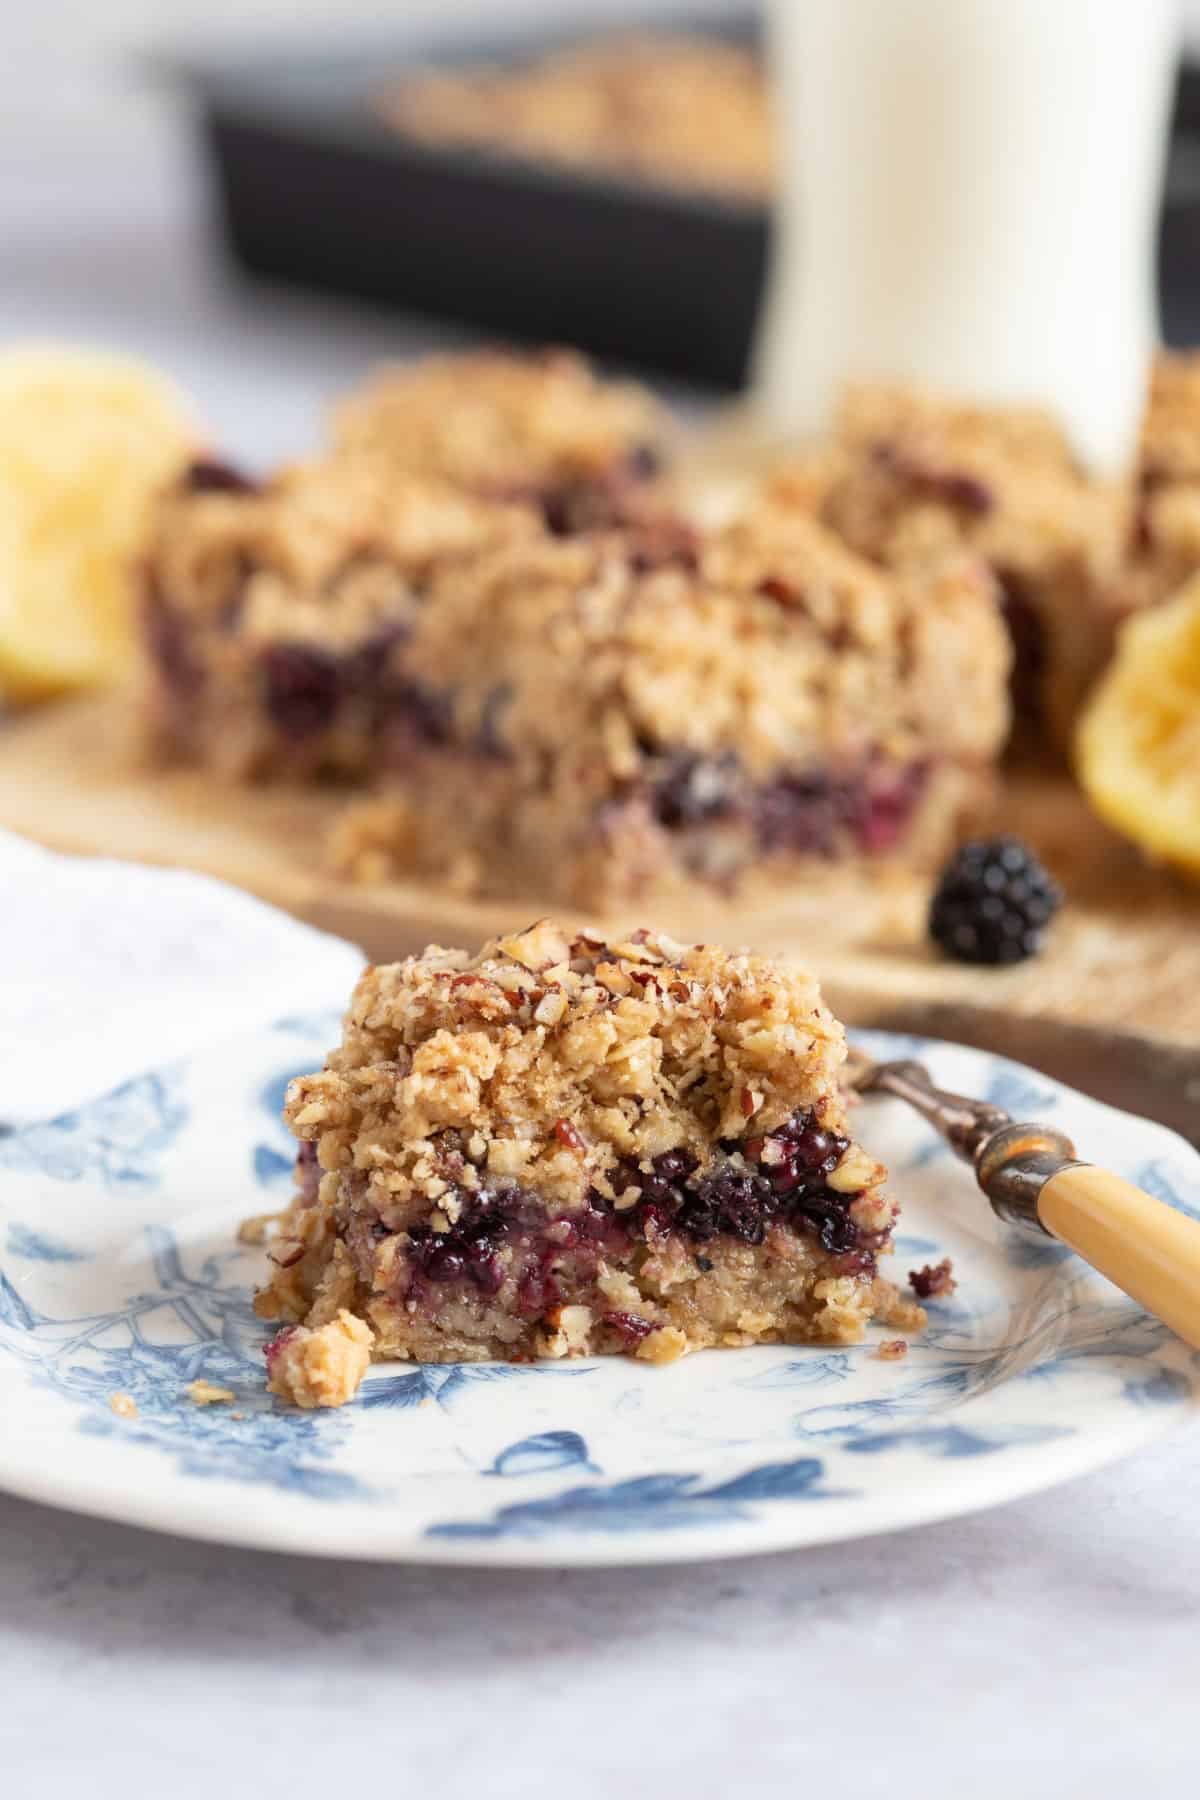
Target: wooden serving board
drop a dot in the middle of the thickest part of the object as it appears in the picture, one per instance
(1113, 1003)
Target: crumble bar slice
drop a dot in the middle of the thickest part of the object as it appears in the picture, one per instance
(624, 719)
(275, 616)
(562, 1146)
(540, 428)
(911, 476)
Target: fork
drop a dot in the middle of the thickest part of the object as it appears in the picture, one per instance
(1035, 1181)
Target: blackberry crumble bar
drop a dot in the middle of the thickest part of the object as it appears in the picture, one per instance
(910, 476)
(630, 713)
(541, 429)
(274, 616)
(562, 1146)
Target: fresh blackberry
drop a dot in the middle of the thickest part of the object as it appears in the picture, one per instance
(993, 902)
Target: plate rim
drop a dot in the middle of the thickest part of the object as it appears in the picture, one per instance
(756, 1536)
(192, 1510)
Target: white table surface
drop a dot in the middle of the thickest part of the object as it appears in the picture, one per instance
(1052, 1647)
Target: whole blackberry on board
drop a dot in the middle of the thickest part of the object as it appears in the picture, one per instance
(992, 902)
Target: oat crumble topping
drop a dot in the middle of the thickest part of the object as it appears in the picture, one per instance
(496, 422)
(205, 1393)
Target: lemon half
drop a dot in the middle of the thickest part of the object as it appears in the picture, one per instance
(86, 441)
(1138, 743)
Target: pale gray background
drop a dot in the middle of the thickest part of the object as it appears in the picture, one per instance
(1052, 1648)
(104, 225)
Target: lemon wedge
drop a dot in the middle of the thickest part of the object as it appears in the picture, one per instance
(86, 440)
(1138, 742)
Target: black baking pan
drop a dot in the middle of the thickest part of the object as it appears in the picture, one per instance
(314, 188)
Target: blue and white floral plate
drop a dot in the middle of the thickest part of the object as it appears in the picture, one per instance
(120, 1274)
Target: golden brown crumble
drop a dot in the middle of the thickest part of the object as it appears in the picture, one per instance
(124, 1405)
(318, 551)
(837, 654)
(497, 422)
(321, 1366)
(896, 1309)
(206, 1393)
(258, 1228)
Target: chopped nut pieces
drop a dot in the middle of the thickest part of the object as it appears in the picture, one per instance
(481, 1176)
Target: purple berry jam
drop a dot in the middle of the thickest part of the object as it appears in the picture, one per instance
(629, 1325)
(800, 813)
(502, 1232)
(889, 796)
(208, 475)
(776, 1179)
(301, 688)
(804, 814)
(305, 688)
(469, 1251)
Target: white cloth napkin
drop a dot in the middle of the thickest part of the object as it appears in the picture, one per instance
(108, 969)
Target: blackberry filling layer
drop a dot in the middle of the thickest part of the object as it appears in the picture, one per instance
(502, 1231)
(812, 812)
(306, 689)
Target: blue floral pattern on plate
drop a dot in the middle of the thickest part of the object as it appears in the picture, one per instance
(121, 1275)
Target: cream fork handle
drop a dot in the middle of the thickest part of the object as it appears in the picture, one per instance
(1147, 1248)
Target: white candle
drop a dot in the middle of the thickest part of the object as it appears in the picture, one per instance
(970, 192)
